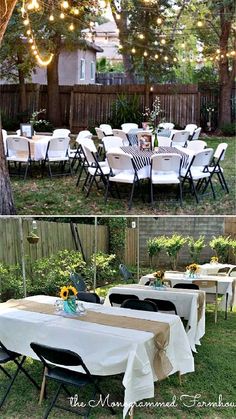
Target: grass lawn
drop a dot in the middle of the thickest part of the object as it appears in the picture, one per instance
(39, 196)
(215, 375)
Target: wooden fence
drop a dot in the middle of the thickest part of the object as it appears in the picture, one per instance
(54, 236)
(85, 106)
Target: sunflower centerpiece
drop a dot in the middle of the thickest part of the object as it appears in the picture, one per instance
(158, 281)
(192, 270)
(68, 295)
(214, 260)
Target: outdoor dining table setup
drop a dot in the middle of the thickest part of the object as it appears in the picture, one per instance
(144, 346)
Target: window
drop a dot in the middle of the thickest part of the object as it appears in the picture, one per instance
(82, 69)
(92, 70)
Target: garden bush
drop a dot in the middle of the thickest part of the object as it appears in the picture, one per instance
(155, 246)
(221, 245)
(173, 245)
(195, 247)
(11, 282)
(229, 129)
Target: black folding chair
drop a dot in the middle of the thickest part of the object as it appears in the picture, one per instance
(65, 377)
(6, 356)
(116, 298)
(163, 305)
(78, 281)
(139, 305)
(186, 286)
(89, 297)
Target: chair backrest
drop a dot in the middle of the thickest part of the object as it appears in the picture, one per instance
(197, 145)
(166, 162)
(180, 137)
(143, 305)
(4, 137)
(116, 298)
(17, 146)
(87, 142)
(61, 132)
(196, 133)
(58, 147)
(90, 154)
(232, 272)
(163, 305)
(203, 158)
(84, 134)
(120, 161)
(164, 141)
(166, 125)
(49, 355)
(224, 270)
(220, 151)
(78, 281)
(190, 128)
(186, 286)
(121, 134)
(128, 126)
(125, 272)
(106, 128)
(100, 133)
(112, 142)
(89, 297)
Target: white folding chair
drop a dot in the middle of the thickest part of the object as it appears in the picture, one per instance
(106, 128)
(198, 172)
(123, 170)
(83, 164)
(179, 138)
(61, 132)
(196, 145)
(196, 133)
(57, 152)
(94, 167)
(4, 138)
(165, 170)
(128, 126)
(215, 167)
(18, 151)
(190, 128)
(120, 133)
(164, 141)
(112, 142)
(166, 125)
(75, 153)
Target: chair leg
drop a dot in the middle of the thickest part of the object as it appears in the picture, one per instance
(5, 372)
(131, 196)
(180, 194)
(53, 402)
(22, 369)
(11, 382)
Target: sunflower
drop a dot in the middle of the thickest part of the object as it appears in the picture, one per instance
(64, 293)
(73, 289)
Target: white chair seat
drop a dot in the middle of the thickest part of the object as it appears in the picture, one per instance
(105, 170)
(125, 176)
(52, 159)
(196, 172)
(165, 177)
(211, 168)
(17, 158)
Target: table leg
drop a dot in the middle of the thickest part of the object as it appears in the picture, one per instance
(131, 412)
(226, 306)
(43, 385)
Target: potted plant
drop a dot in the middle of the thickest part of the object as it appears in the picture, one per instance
(32, 238)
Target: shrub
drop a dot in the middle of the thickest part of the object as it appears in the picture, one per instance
(154, 246)
(43, 126)
(173, 246)
(195, 247)
(221, 246)
(229, 129)
(11, 282)
(105, 270)
(125, 109)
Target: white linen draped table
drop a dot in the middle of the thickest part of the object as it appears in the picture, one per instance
(186, 303)
(213, 268)
(106, 350)
(38, 146)
(226, 284)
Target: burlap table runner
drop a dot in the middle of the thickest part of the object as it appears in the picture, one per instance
(200, 299)
(161, 330)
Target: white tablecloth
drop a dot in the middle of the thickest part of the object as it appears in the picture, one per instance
(213, 268)
(225, 284)
(106, 350)
(39, 147)
(186, 304)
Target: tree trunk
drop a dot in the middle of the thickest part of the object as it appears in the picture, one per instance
(6, 199)
(225, 99)
(54, 109)
(22, 86)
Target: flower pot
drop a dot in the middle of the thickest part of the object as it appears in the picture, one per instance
(33, 239)
(69, 306)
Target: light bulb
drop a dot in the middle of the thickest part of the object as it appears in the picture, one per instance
(51, 18)
(65, 4)
(159, 21)
(156, 56)
(28, 32)
(145, 54)
(163, 41)
(133, 50)
(200, 24)
(76, 11)
(117, 16)
(62, 16)
(26, 22)
(71, 27)
(183, 44)
(166, 58)
(141, 36)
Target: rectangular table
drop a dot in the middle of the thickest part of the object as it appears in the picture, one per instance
(226, 285)
(106, 350)
(185, 301)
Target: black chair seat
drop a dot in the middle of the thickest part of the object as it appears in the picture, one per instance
(139, 305)
(116, 298)
(88, 297)
(186, 286)
(163, 305)
(63, 375)
(5, 357)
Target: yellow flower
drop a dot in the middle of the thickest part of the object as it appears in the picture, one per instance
(159, 274)
(73, 289)
(64, 293)
(192, 268)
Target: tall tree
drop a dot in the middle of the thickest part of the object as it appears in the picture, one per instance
(6, 198)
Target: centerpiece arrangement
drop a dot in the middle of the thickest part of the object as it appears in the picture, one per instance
(152, 118)
(192, 270)
(158, 281)
(68, 295)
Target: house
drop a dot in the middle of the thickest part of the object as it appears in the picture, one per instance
(75, 67)
(106, 36)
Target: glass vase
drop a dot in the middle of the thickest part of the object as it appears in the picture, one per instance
(69, 306)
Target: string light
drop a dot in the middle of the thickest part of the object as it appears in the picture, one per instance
(133, 50)
(65, 4)
(200, 24)
(62, 16)
(71, 27)
(145, 54)
(156, 56)
(141, 36)
(163, 41)
(51, 18)
(159, 21)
